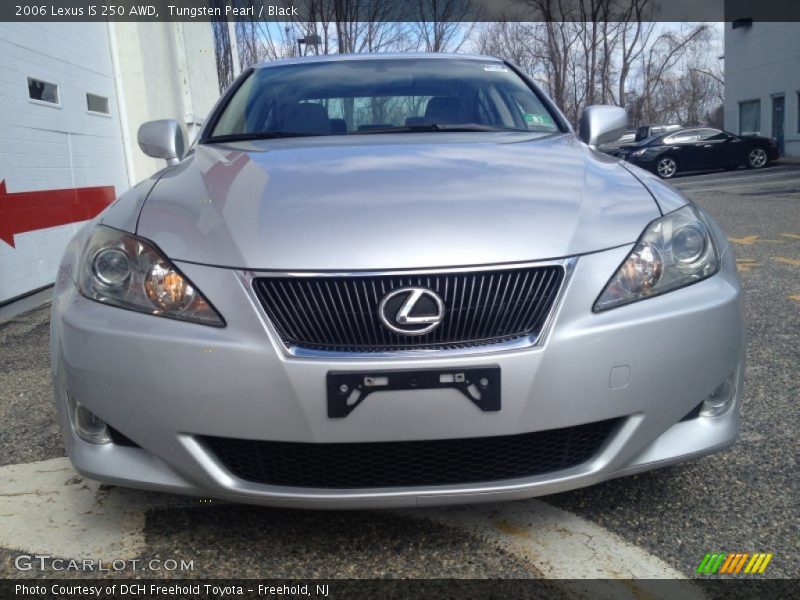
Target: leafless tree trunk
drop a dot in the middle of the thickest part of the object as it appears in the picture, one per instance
(439, 24)
(634, 38)
(661, 101)
(223, 52)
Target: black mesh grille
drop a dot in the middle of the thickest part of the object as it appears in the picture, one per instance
(121, 439)
(393, 464)
(341, 313)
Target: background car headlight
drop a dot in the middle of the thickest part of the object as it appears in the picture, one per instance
(674, 251)
(124, 270)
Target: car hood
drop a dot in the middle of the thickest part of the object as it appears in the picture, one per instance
(394, 201)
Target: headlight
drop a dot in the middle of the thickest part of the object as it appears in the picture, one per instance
(124, 270)
(639, 152)
(674, 251)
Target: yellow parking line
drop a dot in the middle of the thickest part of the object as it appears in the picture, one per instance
(751, 240)
(745, 265)
(795, 297)
(745, 241)
(789, 261)
(792, 236)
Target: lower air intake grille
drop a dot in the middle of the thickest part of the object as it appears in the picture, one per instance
(340, 313)
(400, 464)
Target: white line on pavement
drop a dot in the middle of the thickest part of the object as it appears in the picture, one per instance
(47, 508)
(558, 543)
(684, 183)
(734, 186)
(561, 545)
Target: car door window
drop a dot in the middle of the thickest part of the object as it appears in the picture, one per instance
(711, 134)
(682, 137)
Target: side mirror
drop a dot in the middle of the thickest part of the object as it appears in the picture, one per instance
(162, 139)
(602, 124)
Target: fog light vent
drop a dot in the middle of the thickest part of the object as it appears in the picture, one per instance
(89, 427)
(722, 399)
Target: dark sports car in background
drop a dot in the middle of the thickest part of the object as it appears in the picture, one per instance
(699, 149)
(645, 131)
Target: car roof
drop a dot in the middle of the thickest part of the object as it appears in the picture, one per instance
(375, 56)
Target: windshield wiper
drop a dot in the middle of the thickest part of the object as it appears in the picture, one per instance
(263, 135)
(456, 127)
(421, 128)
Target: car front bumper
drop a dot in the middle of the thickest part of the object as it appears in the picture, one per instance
(165, 383)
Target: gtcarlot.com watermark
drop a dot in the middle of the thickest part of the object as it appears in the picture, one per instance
(44, 562)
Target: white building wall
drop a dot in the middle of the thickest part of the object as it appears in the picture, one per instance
(45, 147)
(162, 70)
(168, 71)
(762, 61)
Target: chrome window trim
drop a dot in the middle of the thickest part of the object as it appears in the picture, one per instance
(246, 278)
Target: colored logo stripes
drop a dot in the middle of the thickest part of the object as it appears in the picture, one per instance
(725, 563)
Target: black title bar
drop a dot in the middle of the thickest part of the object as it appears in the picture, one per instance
(398, 10)
(385, 589)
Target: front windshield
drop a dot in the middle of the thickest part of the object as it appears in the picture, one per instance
(381, 95)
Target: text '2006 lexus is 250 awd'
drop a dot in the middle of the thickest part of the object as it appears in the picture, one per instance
(393, 280)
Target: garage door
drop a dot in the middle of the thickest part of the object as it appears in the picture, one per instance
(61, 150)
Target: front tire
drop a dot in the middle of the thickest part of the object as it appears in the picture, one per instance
(757, 158)
(666, 167)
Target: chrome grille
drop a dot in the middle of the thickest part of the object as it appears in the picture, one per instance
(340, 313)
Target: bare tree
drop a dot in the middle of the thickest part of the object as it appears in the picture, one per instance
(633, 39)
(342, 26)
(604, 51)
(659, 98)
(222, 48)
(513, 41)
(440, 24)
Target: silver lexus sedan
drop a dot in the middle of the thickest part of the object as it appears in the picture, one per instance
(393, 280)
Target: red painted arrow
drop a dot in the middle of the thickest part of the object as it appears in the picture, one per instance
(29, 211)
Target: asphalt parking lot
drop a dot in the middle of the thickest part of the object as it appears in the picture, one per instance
(745, 499)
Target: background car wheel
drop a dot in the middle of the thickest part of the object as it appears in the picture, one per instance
(757, 158)
(666, 167)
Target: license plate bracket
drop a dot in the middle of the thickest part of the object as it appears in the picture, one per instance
(346, 390)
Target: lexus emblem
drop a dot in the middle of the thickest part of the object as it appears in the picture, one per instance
(411, 310)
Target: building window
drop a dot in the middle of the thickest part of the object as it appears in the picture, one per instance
(750, 117)
(42, 91)
(97, 104)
